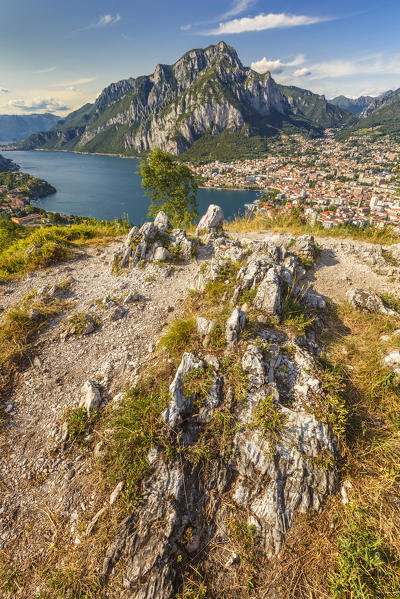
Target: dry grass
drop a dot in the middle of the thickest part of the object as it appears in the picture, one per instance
(293, 223)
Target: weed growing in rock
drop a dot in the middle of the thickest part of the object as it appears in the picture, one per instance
(294, 312)
(268, 420)
(198, 383)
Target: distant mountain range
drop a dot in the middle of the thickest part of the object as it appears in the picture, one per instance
(354, 105)
(15, 127)
(181, 107)
(381, 117)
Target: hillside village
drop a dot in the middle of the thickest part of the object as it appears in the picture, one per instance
(336, 183)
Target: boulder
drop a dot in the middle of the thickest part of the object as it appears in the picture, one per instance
(392, 361)
(173, 413)
(305, 246)
(205, 326)
(268, 297)
(234, 325)
(147, 231)
(212, 220)
(125, 257)
(161, 254)
(369, 301)
(91, 396)
(252, 364)
(162, 222)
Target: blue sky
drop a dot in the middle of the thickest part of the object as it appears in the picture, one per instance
(57, 55)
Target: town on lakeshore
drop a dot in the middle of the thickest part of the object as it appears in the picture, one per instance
(335, 183)
(17, 191)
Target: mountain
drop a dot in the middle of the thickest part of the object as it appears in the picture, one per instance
(15, 127)
(381, 117)
(205, 93)
(354, 105)
(378, 103)
(7, 165)
(315, 108)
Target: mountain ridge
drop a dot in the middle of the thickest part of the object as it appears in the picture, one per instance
(205, 92)
(16, 127)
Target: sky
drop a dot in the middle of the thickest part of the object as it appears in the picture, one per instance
(56, 55)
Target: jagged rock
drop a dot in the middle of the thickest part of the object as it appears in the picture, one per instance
(147, 231)
(125, 257)
(210, 273)
(268, 297)
(162, 221)
(134, 232)
(205, 326)
(252, 363)
(392, 361)
(234, 325)
(305, 246)
(91, 396)
(161, 254)
(369, 301)
(251, 274)
(212, 221)
(172, 415)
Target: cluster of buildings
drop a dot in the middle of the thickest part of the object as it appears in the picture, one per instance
(15, 197)
(335, 183)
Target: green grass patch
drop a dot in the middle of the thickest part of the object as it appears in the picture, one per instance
(178, 337)
(294, 312)
(136, 426)
(24, 250)
(366, 566)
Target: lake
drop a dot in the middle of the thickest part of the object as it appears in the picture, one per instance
(107, 187)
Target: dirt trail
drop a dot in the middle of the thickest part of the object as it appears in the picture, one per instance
(342, 264)
(35, 479)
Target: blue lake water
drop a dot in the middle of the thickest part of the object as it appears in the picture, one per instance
(107, 187)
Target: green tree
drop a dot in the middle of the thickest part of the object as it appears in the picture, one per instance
(171, 187)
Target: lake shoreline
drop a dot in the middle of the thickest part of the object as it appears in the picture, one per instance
(103, 187)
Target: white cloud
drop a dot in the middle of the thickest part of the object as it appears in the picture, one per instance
(263, 22)
(81, 81)
(48, 70)
(3, 90)
(238, 7)
(366, 65)
(276, 66)
(102, 21)
(35, 104)
(105, 20)
(304, 72)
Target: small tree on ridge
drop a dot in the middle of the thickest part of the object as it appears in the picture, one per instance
(171, 187)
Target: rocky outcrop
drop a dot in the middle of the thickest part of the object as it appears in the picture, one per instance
(153, 242)
(282, 453)
(212, 221)
(369, 301)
